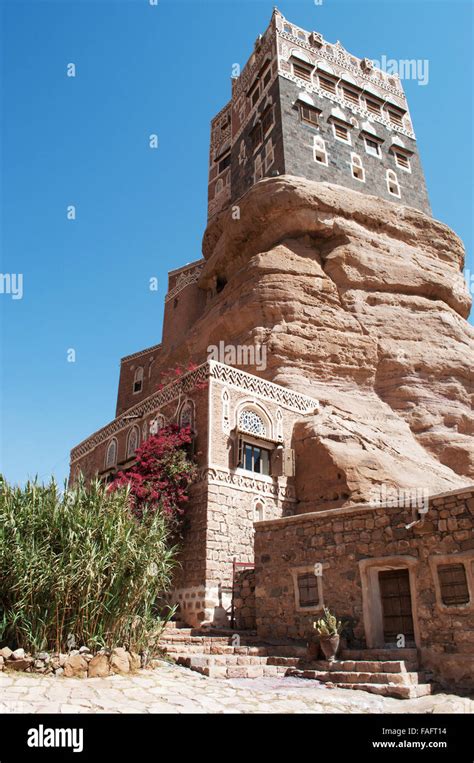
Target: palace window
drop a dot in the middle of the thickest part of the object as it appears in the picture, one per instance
(186, 418)
(341, 132)
(402, 160)
(253, 458)
(309, 114)
(258, 511)
(138, 380)
(254, 94)
(224, 162)
(267, 121)
(111, 454)
(302, 69)
(319, 150)
(251, 422)
(372, 147)
(357, 169)
(219, 187)
(256, 136)
(269, 155)
(132, 441)
(373, 106)
(396, 117)
(288, 29)
(453, 584)
(258, 169)
(266, 76)
(393, 184)
(156, 424)
(308, 590)
(350, 95)
(327, 83)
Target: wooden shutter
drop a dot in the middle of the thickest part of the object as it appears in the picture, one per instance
(239, 452)
(283, 462)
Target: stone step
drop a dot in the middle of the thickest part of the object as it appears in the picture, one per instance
(389, 690)
(380, 654)
(362, 666)
(232, 660)
(328, 676)
(204, 647)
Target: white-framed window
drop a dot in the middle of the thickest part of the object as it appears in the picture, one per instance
(327, 83)
(341, 132)
(138, 380)
(302, 69)
(258, 511)
(254, 94)
(319, 150)
(395, 116)
(133, 441)
(269, 155)
(288, 29)
(350, 95)
(309, 114)
(393, 185)
(111, 454)
(372, 147)
(258, 169)
(402, 160)
(186, 416)
(268, 120)
(308, 588)
(372, 105)
(357, 168)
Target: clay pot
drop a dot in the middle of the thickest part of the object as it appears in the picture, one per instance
(329, 646)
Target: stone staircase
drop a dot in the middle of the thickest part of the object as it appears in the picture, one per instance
(219, 654)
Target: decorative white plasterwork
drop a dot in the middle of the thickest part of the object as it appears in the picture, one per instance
(219, 475)
(185, 279)
(210, 370)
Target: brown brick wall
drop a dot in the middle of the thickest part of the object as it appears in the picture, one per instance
(351, 544)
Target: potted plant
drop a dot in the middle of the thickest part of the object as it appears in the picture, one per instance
(328, 629)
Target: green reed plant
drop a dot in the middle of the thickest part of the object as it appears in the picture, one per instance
(77, 568)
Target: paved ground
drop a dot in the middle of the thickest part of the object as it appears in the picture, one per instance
(172, 689)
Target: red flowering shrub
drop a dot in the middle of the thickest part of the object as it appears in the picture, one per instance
(162, 474)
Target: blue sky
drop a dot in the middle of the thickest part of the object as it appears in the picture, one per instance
(164, 69)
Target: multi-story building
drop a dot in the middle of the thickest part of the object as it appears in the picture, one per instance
(300, 107)
(304, 106)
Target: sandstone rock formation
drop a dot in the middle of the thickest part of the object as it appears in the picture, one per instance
(361, 303)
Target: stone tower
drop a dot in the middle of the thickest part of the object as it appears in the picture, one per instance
(305, 107)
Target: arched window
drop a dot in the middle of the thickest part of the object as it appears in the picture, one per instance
(251, 422)
(186, 417)
(358, 171)
(393, 184)
(138, 380)
(156, 424)
(219, 187)
(111, 454)
(132, 441)
(319, 150)
(258, 511)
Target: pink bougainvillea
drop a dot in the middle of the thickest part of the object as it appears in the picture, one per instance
(162, 474)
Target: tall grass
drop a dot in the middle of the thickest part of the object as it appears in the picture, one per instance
(77, 568)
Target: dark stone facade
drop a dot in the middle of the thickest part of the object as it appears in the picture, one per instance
(298, 152)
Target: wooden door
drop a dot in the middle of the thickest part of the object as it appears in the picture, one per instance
(396, 605)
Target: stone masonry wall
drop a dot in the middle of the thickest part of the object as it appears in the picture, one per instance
(244, 599)
(352, 545)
